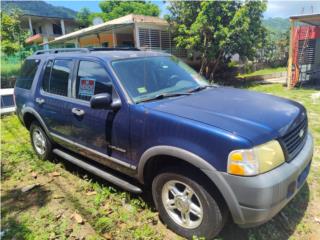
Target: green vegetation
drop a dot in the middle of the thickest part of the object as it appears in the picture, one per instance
(263, 72)
(115, 9)
(277, 25)
(218, 30)
(82, 17)
(38, 8)
(69, 203)
(9, 69)
(12, 36)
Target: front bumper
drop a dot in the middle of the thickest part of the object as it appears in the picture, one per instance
(261, 197)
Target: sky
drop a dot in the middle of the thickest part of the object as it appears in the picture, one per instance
(276, 8)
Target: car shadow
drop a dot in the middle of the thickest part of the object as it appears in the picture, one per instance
(14, 201)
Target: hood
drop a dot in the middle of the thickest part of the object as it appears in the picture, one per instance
(256, 116)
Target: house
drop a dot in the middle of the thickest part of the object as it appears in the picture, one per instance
(44, 29)
(304, 50)
(43, 20)
(143, 32)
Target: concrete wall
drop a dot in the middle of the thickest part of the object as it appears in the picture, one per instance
(95, 41)
(47, 27)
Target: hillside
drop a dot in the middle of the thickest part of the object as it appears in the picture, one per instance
(277, 25)
(38, 8)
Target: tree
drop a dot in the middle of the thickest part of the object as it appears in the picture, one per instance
(82, 17)
(115, 9)
(12, 36)
(218, 29)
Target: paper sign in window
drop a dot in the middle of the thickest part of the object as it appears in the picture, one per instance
(87, 86)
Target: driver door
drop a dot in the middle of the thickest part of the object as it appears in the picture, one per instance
(101, 134)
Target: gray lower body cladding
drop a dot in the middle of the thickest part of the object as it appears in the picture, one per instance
(261, 197)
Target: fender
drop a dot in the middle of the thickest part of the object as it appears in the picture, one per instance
(214, 175)
(25, 110)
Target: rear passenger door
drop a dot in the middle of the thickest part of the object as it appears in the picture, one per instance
(53, 100)
(100, 133)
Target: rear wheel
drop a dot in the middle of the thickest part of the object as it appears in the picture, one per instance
(185, 205)
(40, 141)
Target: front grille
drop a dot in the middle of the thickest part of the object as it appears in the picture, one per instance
(294, 140)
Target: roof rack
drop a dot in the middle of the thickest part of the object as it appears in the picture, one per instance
(114, 49)
(59, 50)
(84, 50)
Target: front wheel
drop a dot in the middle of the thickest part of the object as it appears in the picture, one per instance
(185, 205)
(40, 141)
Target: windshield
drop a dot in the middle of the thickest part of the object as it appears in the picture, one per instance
(146, 78)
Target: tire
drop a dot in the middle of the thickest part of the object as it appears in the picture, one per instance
(214, 214)
(40, 142)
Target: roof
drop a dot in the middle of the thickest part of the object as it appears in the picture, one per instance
(311, 19)
(38, 8)
(122, 21)
(104, 55)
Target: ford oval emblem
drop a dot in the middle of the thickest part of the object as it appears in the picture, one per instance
(301, 133)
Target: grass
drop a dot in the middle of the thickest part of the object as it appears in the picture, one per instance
(263, 72)
(9, 69)
(47, 211)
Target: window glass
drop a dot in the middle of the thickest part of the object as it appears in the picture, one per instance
(56, 29)
(148, 77)
(28, 71)
(92, 79)
(59, 77)
(46, 76)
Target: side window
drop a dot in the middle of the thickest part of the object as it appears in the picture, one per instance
(92, 79)
(46, 76)
(27, 73)
(56, 77)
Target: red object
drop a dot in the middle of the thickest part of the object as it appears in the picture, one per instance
(33, 38)
(300, 34)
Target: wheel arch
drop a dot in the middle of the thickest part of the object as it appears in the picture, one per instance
(29, 115)
(203, 166)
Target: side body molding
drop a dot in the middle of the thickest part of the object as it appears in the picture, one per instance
(214, 175)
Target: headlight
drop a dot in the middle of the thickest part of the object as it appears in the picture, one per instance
(260, 159)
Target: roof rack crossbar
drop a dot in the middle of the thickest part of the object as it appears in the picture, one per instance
(59, 50)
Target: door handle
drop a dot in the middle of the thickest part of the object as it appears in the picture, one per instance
(78, 112)
(40, 101)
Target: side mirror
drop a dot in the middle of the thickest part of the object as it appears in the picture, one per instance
(100, 101)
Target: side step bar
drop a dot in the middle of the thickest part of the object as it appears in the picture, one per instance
(96, 171)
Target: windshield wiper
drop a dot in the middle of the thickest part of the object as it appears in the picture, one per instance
(200, 88)
(164, 95)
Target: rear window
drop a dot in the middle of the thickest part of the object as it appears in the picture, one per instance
(27, 73)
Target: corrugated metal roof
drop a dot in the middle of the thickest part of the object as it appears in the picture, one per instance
(115, 23)
(312, 19)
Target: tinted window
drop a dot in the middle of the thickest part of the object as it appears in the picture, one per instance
(46, 76)
(28, 71)
(92, 79)
(56, 78)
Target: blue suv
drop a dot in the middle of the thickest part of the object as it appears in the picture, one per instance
(145, 120)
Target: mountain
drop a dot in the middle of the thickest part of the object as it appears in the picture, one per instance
(38, 8)
(277, 24)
